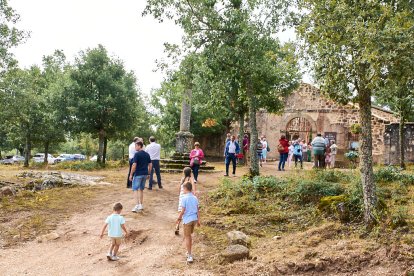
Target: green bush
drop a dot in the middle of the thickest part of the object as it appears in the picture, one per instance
(388, 174)
(311, 191)
(392, 174)
(331, 176)
(269, 184)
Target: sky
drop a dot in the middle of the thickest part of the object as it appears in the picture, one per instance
(75, 25)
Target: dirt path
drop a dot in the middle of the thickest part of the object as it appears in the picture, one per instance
(152, 249)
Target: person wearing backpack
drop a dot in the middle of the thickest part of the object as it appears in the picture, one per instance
(297, 153)
(283, 149)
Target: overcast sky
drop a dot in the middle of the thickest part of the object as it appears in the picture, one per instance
(75, 25)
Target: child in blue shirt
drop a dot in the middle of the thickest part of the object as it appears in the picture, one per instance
(115, 223)
(190, 216)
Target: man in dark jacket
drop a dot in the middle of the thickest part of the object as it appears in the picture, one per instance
(232, 148)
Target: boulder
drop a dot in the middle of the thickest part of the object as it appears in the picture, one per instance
(234, 253)
(7, 191)
(48, 237)
(237, 237)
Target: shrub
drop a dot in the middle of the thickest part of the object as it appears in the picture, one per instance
(311, 191)
(388, 174)
(269, 184)
(391, 174)
(331, 176)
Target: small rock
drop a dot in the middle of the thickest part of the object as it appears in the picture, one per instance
(48, 237)
(16, 237)
(277, 237)
(7, 191)
(238, 237)
(234, 253)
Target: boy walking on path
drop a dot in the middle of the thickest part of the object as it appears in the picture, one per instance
(140, 171)
(115, 223)
(190, 216)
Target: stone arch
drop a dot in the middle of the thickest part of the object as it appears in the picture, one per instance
(307, 120)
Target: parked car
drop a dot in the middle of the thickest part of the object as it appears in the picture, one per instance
(40, 157)
(12, 159)
(94, 158)
(64, 157)
(79, 157)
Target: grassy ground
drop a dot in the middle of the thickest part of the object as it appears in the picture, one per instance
(292, 218)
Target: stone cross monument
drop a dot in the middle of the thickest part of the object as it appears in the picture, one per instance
(184, 138)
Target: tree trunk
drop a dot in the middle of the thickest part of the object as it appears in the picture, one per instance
(104, 150)
(367, 173)
(101, 136)
(28, 151)
(45, 160)
(123, 153)
(254, 164)
(241, 129)
(402, 142)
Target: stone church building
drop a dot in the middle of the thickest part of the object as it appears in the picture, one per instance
(307, 112)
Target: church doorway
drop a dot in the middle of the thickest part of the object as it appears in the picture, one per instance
(299, 127)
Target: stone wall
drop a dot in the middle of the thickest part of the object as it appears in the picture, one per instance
(324, 116)
(392, 144)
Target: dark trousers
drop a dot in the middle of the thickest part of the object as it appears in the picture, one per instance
(231, 157)
(298, 158)
(319, 161)
(195, 171)
(156, 168)
(282, 161)
(129, 183)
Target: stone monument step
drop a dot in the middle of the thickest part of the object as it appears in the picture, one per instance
(182, 166)
(181, 171)
(172, 161)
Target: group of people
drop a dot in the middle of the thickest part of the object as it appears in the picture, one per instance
(144, 161)
(323, 150)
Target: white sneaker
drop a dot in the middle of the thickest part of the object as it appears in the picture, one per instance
(189, 259)
(109, 256)
(115, 258)
(140, 207)
(136, 208)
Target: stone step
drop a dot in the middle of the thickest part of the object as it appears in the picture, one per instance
(184, 162)
(182, 166)
(181, 171)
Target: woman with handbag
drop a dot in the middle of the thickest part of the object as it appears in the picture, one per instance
(196, 157)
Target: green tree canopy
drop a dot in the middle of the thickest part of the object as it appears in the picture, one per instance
(237, 39)
(347, 42)
(103, 99)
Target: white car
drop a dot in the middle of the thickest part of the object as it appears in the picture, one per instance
(12, 159)
(40, 157)
(94, 158)
(65, 157)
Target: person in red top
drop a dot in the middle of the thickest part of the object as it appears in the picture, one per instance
(283, 148)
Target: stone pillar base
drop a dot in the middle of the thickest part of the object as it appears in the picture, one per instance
(184, 142)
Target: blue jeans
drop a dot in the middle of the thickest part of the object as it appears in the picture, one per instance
(231, 157)
(282, 161)
(156, 168)
(300, 159)
(138, 183)
(195, 171)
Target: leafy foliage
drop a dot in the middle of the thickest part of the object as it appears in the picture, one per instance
(103, 99)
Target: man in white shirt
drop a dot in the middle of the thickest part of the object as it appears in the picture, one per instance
(131, 153)
(154, 150)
